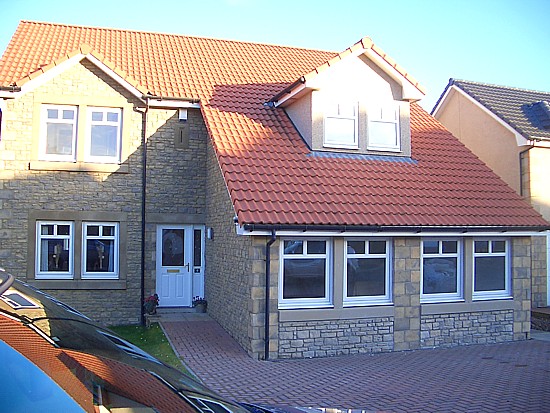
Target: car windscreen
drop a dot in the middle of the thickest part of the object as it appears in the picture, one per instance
(26, 388)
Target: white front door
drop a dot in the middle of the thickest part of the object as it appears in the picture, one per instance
(174, 271)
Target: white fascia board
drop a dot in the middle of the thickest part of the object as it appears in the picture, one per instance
(175, 104)
(292, 94)
(410, 91)
(520, 139)
(385, 234)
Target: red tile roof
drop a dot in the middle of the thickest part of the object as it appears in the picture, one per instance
(272, 176)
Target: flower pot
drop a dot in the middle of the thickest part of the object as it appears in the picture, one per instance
(200, 308)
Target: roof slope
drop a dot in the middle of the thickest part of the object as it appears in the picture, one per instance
(271, 175)
(524, 110)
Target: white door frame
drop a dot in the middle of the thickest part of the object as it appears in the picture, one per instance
(177, 285)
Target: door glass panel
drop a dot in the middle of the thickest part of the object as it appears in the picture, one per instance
(172, 247)
(197, 248)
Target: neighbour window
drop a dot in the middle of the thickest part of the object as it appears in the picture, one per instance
(100, 250)
(104, 135)
(305, 273)
(491, 272)
(367, 275)
(383, 127)
(54, 250)
(441, 270)
(341, 125)
(58, 128)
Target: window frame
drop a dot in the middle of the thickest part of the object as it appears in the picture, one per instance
(376, 115)
(494, 294)
(459, 255)
(366, 300)
(335, 115)
(90, 275)
(53, 275)
(296, 303)
(88, 157)
(43, 137)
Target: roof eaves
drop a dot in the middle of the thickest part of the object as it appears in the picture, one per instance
(50, 70)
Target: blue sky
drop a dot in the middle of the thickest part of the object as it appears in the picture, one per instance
(503, 42)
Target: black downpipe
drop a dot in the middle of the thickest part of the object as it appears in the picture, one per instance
(267, 290)
(143, 209)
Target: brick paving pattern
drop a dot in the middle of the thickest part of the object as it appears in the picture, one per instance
(508, 377)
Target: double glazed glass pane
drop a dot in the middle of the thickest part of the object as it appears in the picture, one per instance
(304, 278)
(366, 277)
(440, 275)
(490, 274)
(54, 254)
(172, 247)
(100, 255)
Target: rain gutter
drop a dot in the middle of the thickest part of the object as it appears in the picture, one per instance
(393, 229)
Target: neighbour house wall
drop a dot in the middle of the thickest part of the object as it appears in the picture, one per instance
(35, 189)
(523, 168)
(484, 136)
(538, 171)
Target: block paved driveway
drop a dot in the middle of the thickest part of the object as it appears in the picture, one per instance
(508, 377)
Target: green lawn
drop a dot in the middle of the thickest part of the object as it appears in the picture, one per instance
(153, 341)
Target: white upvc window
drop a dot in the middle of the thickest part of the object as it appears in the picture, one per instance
(104, 135)
(305, 275)
(54, 250)
(367, 278)
(341, 125)
(441, 270)
(491, 269)
(58, 124)
(383, 127)
(100, 250)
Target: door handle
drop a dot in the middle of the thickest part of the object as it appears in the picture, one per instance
(187, 265)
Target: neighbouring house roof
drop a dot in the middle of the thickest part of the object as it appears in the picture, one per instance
(273, 178)
(525, 111)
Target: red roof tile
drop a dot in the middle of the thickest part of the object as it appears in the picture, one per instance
(271, 175)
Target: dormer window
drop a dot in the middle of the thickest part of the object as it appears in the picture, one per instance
(383, 127)
(341, 125)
